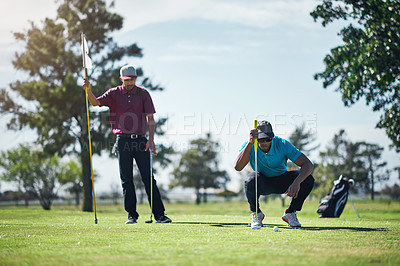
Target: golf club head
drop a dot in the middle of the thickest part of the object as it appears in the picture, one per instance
(95, 221)
(149, 222)
(351, 181)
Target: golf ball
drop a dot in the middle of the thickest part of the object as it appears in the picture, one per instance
(276, 229)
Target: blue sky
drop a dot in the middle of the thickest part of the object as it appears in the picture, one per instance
(223, 64)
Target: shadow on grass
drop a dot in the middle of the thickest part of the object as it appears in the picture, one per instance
(310, 228)
(214, 224)
(357, 229)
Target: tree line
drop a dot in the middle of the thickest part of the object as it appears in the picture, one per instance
(38, 175)
(51, 102)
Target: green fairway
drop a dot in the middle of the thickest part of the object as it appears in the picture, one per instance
(209, 234)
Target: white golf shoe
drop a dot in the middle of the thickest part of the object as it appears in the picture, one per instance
(256, 222)
(291, 219)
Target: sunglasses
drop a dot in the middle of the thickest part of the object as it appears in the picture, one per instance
(264, 140)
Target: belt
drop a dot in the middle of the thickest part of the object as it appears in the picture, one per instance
(130, 136)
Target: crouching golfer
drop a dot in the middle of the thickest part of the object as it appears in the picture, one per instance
(273, 176)
(131, 112)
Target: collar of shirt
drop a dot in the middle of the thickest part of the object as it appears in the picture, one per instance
(125, 91)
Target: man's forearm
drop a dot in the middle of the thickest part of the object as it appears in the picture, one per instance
(92, 99)
(305, 170)
(243, 158)
(152, 127)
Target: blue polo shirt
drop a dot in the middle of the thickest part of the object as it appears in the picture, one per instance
(274, 163)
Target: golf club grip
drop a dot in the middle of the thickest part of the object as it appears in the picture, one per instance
(255, 140)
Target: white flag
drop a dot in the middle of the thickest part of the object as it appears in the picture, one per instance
(87, 62)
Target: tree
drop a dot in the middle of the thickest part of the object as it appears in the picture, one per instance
(357, 160)
(372, 154)
(302, 139)
(35, 172)
(342, 157)
(367, 65)
(71, 176)
(393, 192)
(198, 168)
(397, 169)
(53, 103)
(227, 194)
(331, 164)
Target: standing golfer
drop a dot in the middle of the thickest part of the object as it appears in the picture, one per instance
(131, 112)
(273, 176)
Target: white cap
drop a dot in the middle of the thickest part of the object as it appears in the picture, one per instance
(128, 72)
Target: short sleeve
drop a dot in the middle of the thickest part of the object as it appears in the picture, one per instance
(148, 106)
(251, 154)
(244, 145)
(105, 99)
(291, 151)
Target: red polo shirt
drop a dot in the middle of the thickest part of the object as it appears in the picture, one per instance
(128, 109)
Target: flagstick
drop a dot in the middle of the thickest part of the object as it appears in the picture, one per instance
(84, 54)
(255, 155)
(90, 150)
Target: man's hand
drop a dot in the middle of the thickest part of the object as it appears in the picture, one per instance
(293, 190)
(306, 168)
(150, 145)
(92, 98)
(253, 135)
(86, 83)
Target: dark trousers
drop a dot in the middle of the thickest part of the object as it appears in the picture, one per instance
(129, 149)
(277, 185)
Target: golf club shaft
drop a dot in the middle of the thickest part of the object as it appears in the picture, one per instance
(151, 185)
(256, 170)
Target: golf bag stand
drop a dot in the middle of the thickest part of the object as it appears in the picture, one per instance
(332, 205)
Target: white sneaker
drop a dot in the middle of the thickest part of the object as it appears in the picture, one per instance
(291, 219)
(257, 223)
(131, 220)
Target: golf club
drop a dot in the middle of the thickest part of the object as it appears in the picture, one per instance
(255, 160)
(151, 188)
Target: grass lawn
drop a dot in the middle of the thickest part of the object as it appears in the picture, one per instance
(208, 234)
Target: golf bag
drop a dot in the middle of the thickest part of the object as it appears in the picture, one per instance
(332, 205)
